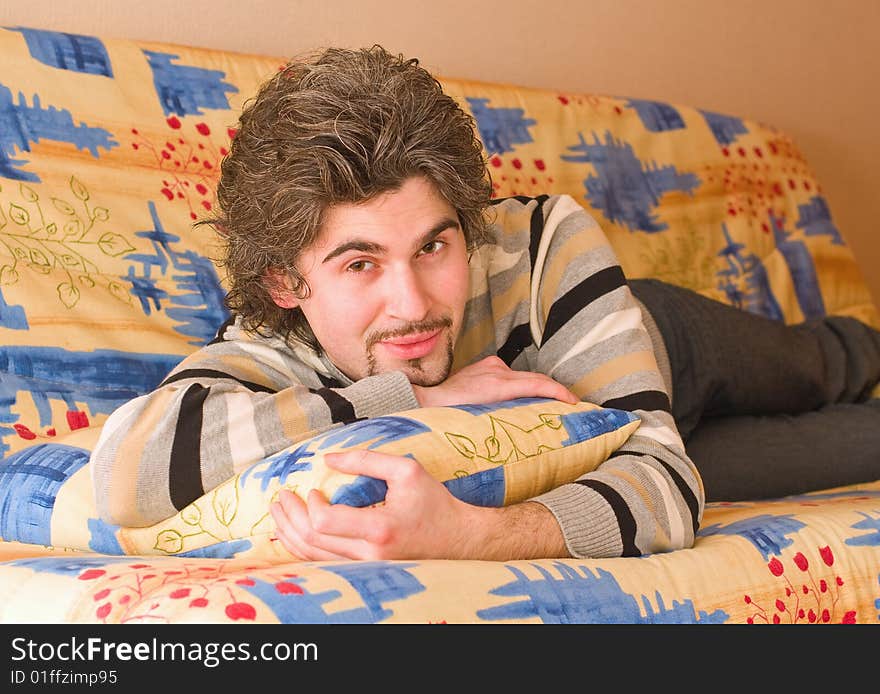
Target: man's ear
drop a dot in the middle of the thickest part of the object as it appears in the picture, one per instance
(277, 283)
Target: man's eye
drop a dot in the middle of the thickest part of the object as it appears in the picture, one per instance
(433, 246)
(358, 266)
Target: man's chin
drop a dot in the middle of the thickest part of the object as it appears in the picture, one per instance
(419, 378)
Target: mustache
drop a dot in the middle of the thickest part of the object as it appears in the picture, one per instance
(413, 328)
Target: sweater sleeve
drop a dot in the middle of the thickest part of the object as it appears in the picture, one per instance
(226, 406)
(648, 496)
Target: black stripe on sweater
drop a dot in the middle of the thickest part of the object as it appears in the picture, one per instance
(184, 473)
(644, 400)
(341, 410)
(536, 230)
(328, 381)
(686, 492)
(581, 295)
(625, 520)
(520, 338)
(212, 373)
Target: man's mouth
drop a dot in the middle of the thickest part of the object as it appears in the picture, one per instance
(412, 346)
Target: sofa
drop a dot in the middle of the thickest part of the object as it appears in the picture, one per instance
(110, 151)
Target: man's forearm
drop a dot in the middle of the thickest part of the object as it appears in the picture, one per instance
(522, 531)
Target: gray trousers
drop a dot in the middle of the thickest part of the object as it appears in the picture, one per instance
(767, 409)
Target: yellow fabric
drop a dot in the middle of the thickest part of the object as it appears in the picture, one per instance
(808, 559)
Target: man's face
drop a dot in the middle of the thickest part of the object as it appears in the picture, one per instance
(388, 283)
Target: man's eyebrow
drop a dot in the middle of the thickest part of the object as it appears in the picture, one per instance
(365, 246)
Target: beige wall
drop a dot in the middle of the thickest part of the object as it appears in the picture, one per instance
(809, 67)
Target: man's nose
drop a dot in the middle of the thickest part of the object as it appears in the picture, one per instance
(406, 296)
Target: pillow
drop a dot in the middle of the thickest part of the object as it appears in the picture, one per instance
(489, 455)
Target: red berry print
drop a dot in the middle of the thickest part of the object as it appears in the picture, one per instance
(285, 588)
(173, 122)
(775, 567)
(241, 610)
(91, 574)
(24, 432)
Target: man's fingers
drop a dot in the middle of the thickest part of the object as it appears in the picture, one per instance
(380, 466)
(339, 520)
(290, 513)
(528, 384)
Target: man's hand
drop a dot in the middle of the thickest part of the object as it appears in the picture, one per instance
(491, 380)
(420, 519)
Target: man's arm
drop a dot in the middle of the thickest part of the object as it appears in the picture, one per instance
(226, 406)
(648, 496)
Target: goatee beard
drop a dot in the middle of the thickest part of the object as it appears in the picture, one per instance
(414, 367)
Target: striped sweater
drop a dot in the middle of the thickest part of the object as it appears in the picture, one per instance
(547, 296)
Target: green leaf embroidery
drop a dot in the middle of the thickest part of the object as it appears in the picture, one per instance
(462, 444)
(191, 515)
(114, 244)
(119, 292)
(169, 541)
(63, 207)
(225, 503)
(79, 190)
(72, 228)
(18, 214)
(39, 258)
(28, 193)
(8, 275)
(68, 293)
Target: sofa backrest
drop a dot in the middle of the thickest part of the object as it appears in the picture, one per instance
(110, 150)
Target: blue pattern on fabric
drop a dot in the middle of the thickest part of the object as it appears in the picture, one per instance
(769, 534)
(364, 491)
(502, 405)
(103, 379)
(815, 219)
(624, 189)
(872, 536)
(219, 550)
(584, 597)
(279, 466)
(200, 308)
(724, 128)
(484, 488)
(185, 89)
(20, 125)
(583, 426)
(11, 317)
(802, 268)
(66, 566)
(758, 297)
(29, 481)
(72, 52)
(657, 116)
(375, 582)
(500, 128)
(379, 430)
(102, 537)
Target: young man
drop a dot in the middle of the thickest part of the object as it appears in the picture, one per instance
(371, 273)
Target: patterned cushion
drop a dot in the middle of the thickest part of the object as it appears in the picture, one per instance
(489, 455)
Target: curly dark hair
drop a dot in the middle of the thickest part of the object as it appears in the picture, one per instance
(341, 126)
